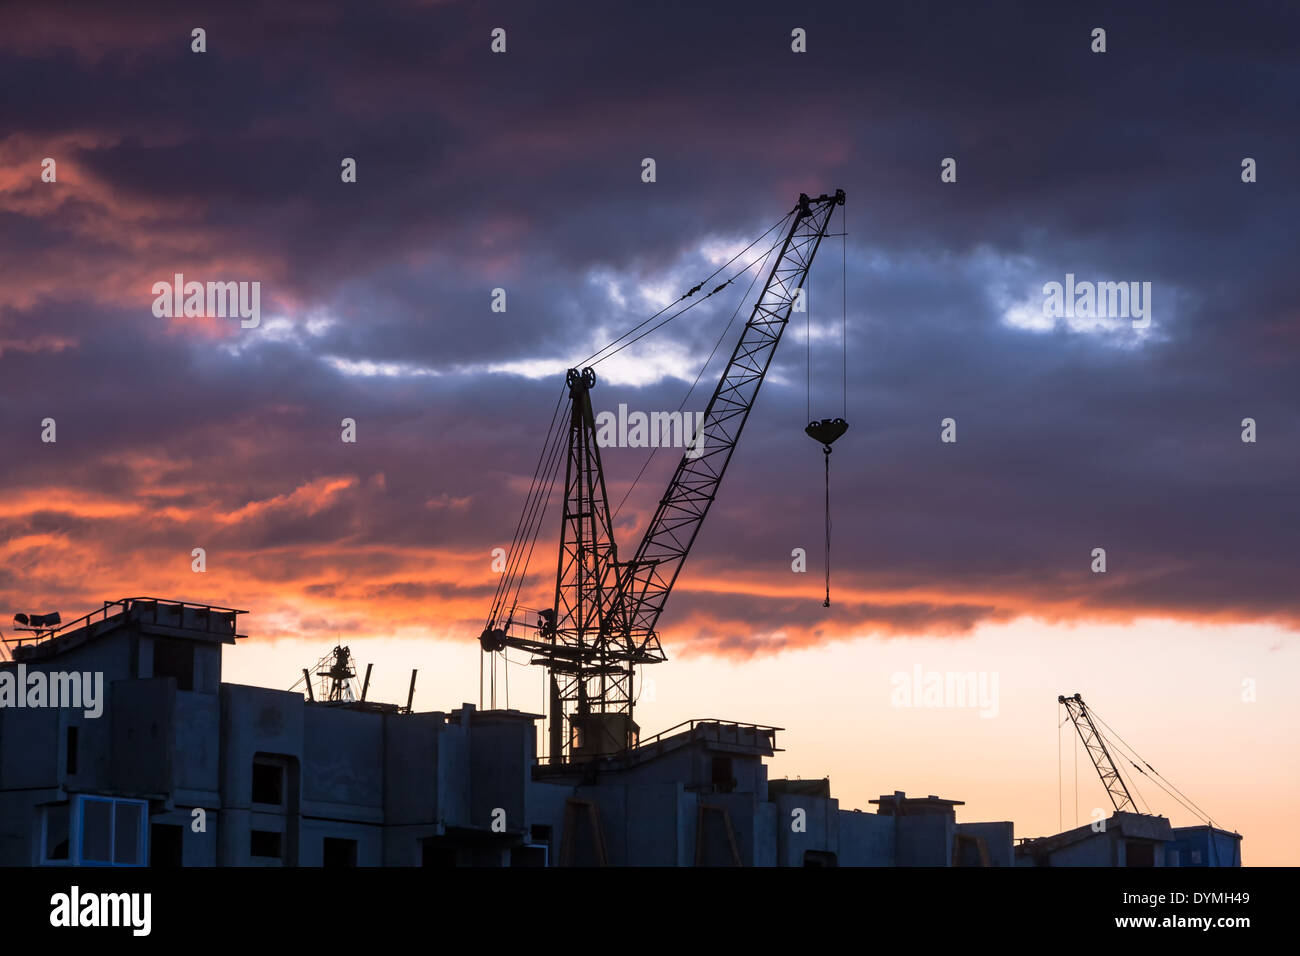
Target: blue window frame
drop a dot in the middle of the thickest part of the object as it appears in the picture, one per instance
(102, 831)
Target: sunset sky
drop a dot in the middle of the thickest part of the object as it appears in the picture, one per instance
(522, 171)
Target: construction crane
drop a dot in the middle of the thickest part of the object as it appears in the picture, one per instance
(1116, 789)
(1100, 744)
(603, 621)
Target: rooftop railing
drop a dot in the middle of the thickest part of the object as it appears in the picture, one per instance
(212, 616)
(647, 744)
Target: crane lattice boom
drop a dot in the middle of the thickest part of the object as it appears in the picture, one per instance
(1116, 789)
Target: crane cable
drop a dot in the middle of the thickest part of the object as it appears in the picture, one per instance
(1060, 799)
(826, 457)
(531, 516)
(530, 521)
(547, 468)
(596, 357)
(761, 262)
(1155, 776)
(828, 430)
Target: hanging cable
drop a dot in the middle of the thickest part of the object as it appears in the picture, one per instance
(525, 517)
(827, 458)
(596, 357)
(546, 471)
(1154, 776)
(1140, 802)
(1076, 780)
(844, 304)
(1060, 799)
(632, 341)
(827, 430)
(543, 476)
(534, 512)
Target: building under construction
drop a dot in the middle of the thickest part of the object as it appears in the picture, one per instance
(182, 769)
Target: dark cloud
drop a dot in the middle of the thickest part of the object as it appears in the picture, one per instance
(522, 171)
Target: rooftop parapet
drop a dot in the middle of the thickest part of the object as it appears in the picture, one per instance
(151, 615)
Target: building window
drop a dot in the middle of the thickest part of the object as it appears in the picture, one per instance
(97, 831)
(174, 659)
(723, 781)
(266, 843)
(111, 832)
(339, 852)
(268, 781)
(57, 834)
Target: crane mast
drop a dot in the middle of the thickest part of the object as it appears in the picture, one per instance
(1116, 789)
(603, 620)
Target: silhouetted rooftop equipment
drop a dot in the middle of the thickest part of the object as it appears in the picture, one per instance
(156, 615)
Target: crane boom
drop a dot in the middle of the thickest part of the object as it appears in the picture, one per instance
(680, 514)
(1116, 789)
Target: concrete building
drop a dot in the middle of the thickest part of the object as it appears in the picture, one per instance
(1133, 839)
(179, 768)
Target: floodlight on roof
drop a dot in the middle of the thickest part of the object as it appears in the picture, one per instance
(37, 622)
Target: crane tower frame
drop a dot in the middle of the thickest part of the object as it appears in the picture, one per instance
(603, 622)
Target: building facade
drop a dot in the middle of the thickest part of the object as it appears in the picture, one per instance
(169, 766)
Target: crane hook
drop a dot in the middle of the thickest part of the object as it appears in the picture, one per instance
(827, 431)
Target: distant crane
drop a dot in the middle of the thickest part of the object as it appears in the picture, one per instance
(1099, 748)
(1116, 789)
(603, 620)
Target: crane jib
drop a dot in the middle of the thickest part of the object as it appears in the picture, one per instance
(681, 512)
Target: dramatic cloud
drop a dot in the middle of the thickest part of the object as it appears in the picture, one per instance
(522, 171)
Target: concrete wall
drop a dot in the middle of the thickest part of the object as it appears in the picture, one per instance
(818, 819)
(1097, 850)
(998, 837)
(369, 841)
(500, 763)
(924, 840)
(342, 764)
(411, 761)
(865, 839)
(1200, 846)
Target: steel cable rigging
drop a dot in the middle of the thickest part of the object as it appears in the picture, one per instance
(603, 622)
(543, 480)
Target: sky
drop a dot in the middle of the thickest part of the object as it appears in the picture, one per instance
(522, 171)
